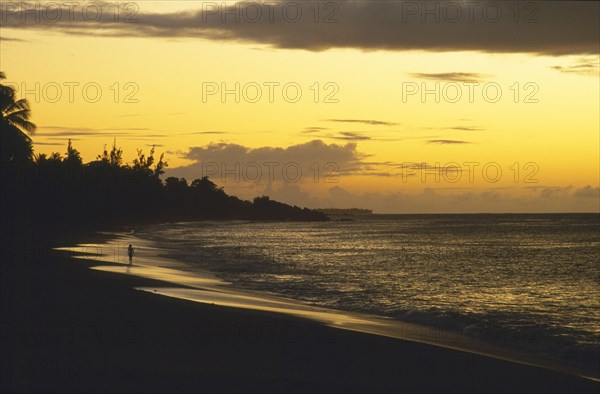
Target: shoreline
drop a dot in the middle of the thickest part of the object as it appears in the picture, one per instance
(66, 327)
(194, 284)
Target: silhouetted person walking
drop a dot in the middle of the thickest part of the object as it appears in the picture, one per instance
(130, 253)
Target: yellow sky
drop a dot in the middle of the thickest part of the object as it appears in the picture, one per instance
(559, 133)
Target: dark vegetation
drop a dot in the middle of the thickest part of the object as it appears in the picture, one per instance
(53, 192)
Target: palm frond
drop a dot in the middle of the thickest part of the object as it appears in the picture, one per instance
(23, 124)
(19, 105)
(23, 114)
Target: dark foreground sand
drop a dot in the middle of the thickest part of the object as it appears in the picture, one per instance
(65, 328)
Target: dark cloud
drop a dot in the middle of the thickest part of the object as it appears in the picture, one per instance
(447, 142)
(138, 115)
(63, 139)
(149, 138)
(77, 133)
(549, 27)
(305, 155)
(48, 143)
(459, 128)
(553, 191)
(465, 128)
(216, 132)
(453, 77)
(363, 121)
(544, 187)
(69, 130)
(208, 132)
(375, 173)
(589, 192)
(412, 167)
(11, 39)
(379, 163)
(589, 67)
(63, 131)
(351, 136)
(309, 130)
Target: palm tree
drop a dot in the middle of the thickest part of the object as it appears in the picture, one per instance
(16, 145)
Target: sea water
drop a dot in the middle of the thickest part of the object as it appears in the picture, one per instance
(528, 281)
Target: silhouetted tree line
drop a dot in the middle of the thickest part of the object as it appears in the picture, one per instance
(56, 191)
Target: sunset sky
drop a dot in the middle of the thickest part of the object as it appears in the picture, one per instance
(377, 143)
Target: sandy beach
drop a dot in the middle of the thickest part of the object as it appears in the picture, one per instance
(188, 282)
(69, 328)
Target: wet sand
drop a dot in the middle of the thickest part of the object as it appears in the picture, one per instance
(68, 328)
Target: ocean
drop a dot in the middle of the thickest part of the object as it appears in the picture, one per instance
(528, 281)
